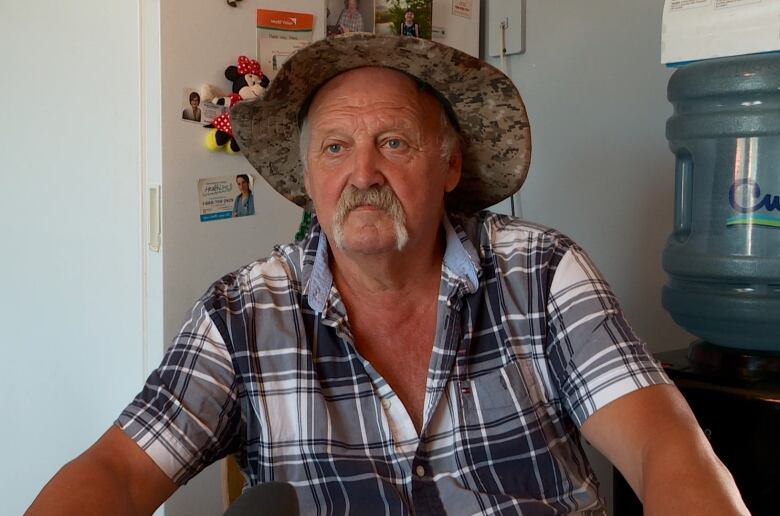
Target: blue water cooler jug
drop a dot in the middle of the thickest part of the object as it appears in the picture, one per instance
(723, 256)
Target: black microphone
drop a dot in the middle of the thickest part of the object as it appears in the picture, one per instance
(269, 499)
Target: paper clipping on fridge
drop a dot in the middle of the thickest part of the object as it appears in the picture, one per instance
(279, 34)
(226, 197)
(462, 8)
(704, 29)
(197, 110)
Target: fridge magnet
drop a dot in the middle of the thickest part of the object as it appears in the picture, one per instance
(279, 34)
(248, 82)
(226, 197)
(404, 17)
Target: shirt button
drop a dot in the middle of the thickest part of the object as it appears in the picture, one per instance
(420, 471)
(386, 404)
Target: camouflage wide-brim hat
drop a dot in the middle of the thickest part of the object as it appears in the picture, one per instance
(491, 117)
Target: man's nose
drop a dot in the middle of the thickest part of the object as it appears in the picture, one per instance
(366, 171)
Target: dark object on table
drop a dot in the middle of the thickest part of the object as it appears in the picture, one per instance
(735, 395)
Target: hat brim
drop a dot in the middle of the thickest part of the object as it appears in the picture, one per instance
(494, 128)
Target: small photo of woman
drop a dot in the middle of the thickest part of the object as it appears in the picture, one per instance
(245, 202)
(191, 110)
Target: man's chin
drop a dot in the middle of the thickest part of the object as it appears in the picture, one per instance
(368, 250)
(367, 244)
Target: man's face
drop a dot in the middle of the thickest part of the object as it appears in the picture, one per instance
(353, 4)
(369, 129)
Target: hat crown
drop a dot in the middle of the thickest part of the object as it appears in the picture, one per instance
(490, 114)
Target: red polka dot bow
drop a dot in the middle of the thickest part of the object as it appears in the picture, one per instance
(246, 65)
(234, 97)
(222, 122)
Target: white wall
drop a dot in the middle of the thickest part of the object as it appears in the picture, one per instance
(71, 308)
(601, 170)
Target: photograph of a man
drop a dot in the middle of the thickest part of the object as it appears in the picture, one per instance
(350, 19)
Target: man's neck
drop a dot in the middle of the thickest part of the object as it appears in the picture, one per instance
(406, 274)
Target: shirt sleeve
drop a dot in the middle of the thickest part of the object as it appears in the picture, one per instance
(594, 353)
(187, 415)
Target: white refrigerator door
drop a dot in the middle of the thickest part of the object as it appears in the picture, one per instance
(197, 41)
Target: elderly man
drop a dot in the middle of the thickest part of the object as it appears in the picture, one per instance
(409, 355)
(350, 19)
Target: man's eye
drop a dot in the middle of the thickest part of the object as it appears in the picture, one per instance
(333, 148)
(394, 143)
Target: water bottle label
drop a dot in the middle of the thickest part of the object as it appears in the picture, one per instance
(750, 205)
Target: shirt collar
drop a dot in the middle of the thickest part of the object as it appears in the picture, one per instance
(321, 279)
(460, 257)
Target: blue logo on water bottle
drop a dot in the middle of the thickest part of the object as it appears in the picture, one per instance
(751, 206)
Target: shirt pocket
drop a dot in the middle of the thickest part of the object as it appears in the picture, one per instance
(497, 394)
(504, 434)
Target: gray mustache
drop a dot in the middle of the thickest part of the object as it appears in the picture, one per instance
(381, 197)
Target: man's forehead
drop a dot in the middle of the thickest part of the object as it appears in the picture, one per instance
(374, 119)
(369, 86)
(348, 81)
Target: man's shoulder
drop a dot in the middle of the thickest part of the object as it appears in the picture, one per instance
(505, 234)
(279, 272)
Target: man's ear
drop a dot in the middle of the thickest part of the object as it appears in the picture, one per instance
(453, 169)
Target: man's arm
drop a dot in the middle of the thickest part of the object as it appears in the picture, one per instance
(653, 438)
(114, 476)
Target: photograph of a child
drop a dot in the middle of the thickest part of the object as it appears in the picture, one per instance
(404, 17)
(408, 27)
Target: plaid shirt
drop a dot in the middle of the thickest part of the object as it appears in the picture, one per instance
(530, 341)
(351, 21)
